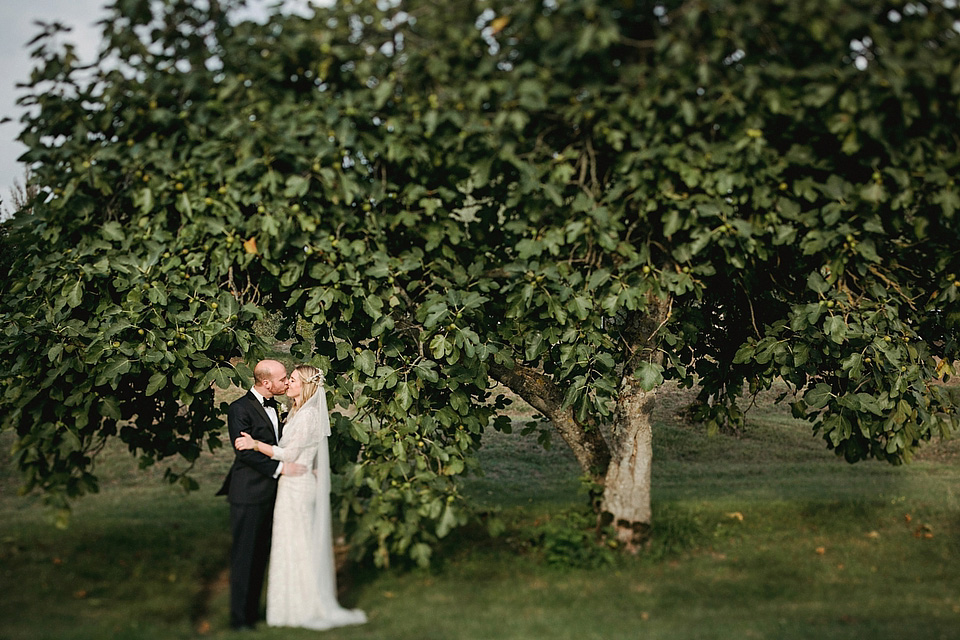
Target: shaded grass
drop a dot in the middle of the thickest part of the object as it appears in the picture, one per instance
(763, 536)
(131, 564)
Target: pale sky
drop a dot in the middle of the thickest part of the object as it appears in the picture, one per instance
(17, 27)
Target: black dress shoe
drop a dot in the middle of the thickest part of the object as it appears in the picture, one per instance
(242, 627)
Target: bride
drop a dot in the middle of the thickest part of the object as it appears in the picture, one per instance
(302, 583)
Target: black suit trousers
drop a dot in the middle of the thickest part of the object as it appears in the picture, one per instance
(251, 525)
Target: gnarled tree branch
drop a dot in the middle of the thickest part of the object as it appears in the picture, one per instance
(589, 446)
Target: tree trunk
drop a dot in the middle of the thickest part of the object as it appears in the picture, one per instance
(626, 493)
(622, 467)
(625, 504)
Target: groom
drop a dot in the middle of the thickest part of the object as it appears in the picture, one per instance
(251, 488)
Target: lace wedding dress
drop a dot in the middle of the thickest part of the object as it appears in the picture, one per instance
(302, 582)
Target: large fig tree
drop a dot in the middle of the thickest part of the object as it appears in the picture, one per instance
(583, 200)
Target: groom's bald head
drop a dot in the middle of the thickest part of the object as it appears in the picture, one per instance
(270, 377)
(269, 370)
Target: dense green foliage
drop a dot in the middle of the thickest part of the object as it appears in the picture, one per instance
(511, 182)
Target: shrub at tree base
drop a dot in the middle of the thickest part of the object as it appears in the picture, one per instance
(582, 200)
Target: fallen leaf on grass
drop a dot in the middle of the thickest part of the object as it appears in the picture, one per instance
(873, 534)
(736, 515)
(821, 550)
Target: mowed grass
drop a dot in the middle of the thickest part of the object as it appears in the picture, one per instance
(767, 535)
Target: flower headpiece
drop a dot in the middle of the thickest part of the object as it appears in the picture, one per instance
(317, 378)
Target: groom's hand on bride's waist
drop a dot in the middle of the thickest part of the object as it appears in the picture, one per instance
(293, 469)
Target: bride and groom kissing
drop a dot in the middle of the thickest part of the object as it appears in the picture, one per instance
(279, 494)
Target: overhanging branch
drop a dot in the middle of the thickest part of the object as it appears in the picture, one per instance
(589, 446)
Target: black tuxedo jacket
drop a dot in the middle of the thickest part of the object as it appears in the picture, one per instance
(250, 480)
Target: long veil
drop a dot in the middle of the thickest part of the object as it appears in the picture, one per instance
(312, 422)
(322, 525)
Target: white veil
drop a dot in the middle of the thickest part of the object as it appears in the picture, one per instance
(322, 525)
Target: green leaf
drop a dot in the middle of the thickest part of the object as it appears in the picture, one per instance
(157, 381)
(74, 293)
(113, 231)
(425, 371)
(420, 553)
(854, 364)
(874, 193)
(358, 433)
(580, 307)
(144, 199)
(54, 353)
(222, 377)
(871, 404)
(114, 369)
(744, 354)
(649, 375)
(671, 222)
(597, 278)
(372, 306)
(366, 362)
(447, 522)
(534, 346)
(816, 283)
(819, 396)
(227, 304)
(183, 204)
(439, 346)
(181, 379)
(110, 407)
(291, 275)
(949, 200)
(297, 186)
(836, 328)
(403, 397)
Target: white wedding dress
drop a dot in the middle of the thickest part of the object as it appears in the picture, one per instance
(302, 580)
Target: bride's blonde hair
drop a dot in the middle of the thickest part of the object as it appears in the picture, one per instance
(311, 379)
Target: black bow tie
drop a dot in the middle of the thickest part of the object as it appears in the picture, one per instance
(270, 402)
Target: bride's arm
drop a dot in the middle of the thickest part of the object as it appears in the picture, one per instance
(246, 441)
(298, 434)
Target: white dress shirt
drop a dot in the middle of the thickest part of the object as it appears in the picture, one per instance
(275, 419)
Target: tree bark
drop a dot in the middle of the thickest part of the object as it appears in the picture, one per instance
(625, 504)
(585, 441)
(626, 490)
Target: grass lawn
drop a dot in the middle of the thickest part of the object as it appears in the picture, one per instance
(763, 536)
